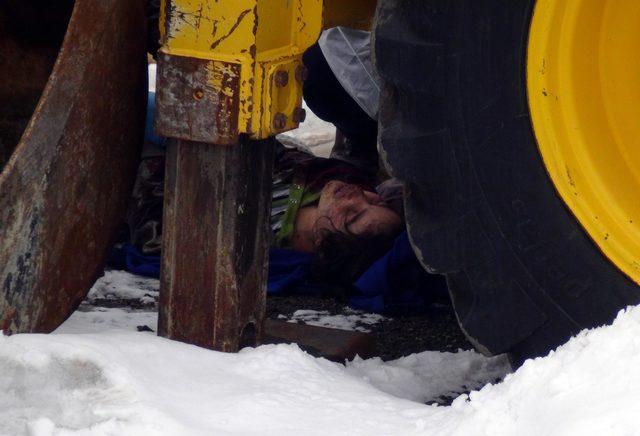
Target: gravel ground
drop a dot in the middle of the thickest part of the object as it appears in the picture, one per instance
(436, 330)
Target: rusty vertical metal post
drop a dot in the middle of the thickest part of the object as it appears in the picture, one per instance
(215, 247)
(221, 91)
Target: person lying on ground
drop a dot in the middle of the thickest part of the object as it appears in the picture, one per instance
(329, 221)
(324, 208)
(334, 232)
(332, 210)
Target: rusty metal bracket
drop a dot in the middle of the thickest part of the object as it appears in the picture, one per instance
(198, 99)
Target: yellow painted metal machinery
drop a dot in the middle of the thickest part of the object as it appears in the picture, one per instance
(584, 96)
(234, 67)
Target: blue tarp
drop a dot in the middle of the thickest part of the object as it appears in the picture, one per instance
(150, 135)
(396, 284)
(287, 270)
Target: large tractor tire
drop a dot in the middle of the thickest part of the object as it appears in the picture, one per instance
(72, 103)
(514, 125)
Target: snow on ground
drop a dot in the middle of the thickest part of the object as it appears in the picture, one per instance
(116, 285)
(128, 383)
(351, 319)
(104, 373)
(427, 376)
(136, 295)
(131, 383)
(90, 319)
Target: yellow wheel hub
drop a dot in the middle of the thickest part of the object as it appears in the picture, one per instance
(583, 78)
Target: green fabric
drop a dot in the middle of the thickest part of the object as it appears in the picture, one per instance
(299, 196)
(298, 180)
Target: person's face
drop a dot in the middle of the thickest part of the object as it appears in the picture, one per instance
(349, 209)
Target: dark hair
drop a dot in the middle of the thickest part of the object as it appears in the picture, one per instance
(341, 258)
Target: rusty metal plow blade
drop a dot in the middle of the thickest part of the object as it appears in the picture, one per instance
(65, 184)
